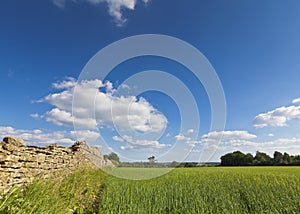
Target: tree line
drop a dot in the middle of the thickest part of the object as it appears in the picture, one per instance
(238, 158)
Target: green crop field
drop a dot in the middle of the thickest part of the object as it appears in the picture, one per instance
(207, 190)
(183, 190)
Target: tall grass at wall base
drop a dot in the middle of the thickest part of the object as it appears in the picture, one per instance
(77, 192)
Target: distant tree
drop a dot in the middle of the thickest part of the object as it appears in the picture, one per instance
(286, 159)
(237, 158)
(113, 157)
(248, 159)
(151, 159)
(228, 160)
(174, 164)
(278, 158)
(262, 159)
(297, 160)
(190, 164)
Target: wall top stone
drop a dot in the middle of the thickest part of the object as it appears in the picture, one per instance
(14, 141)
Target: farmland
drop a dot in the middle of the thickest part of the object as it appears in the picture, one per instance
(207, 190)
(183, 190)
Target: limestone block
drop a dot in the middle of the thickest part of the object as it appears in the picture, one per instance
(18, 142)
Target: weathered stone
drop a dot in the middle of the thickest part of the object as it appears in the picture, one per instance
(10, 147)
(21, 164)
(14, 141)
(11, 165)
(40, 157)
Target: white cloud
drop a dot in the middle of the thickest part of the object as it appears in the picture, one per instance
(138, 144)
(118, 138)
(214, 138)
(95, 107)
(114, 7)
(193, 142)
(281, 144)
(271, 135)
(40, 137)
(182, 138)
(278, 117)
(190, 131)
(213, 142)
(35, 116)
(244, 141)
(36, 137)
(64, 118)
(227, 135)
(189, 141)
(68, 83)
(85, 135)
(297, 100)
(144, 145)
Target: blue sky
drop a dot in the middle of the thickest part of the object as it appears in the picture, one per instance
(253, 46)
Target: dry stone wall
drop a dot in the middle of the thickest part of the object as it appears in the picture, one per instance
(20, 164)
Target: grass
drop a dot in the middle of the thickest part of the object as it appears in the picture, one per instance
(76, 193)
(207, 190)
(183, 190)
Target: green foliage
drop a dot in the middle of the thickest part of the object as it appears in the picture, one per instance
(238, 158)
(207, 190)
(113, 157)
(151, 159)
(75, 193)
(262, 159)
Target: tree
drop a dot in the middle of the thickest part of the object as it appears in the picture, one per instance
(286, 158)
(248, 159)
(262, 159)
(151, 159)
(174, 164)
(237, 158)
(113, 157)
(278, 158)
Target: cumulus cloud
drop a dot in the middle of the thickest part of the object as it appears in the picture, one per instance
(85, 135)
(188, 140)
(290, 145)
(245, 142)
(68, 83)
(181, 137)
(118, 138)
(297, 100)
(114, 7)
(278, 117)
(214, 141)
(35, 116)
(64, 118)
(98, 106)
(40, 137)
(190, 131)
(138, 144)
(227, 135)
(214, 138)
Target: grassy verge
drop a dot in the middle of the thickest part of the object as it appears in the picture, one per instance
(78, 192)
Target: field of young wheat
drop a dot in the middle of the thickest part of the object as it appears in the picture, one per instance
(207, 190)
(183, 190)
